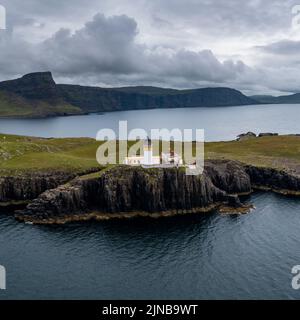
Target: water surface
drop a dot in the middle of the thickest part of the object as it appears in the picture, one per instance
(187, 257)
(190, 257)
(222, 123)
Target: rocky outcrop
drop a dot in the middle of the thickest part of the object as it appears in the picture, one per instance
(126, 190)
(246, 136)
(267, 134)
(273, 179)
(28, 187)
(229, 176)
(25, 187)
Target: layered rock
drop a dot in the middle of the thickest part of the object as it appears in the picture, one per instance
(126, 189)
(24, 187)
(273, 179)
(246, 136)
(229, 176)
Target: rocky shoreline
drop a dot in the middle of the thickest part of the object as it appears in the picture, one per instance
(22, 188)
(128, 192)
(26, 187)
(269, 179)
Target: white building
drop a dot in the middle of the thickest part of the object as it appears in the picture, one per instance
(171, 158)
(148, 159)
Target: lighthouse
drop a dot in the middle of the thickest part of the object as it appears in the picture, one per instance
(149, 159)
(148, 152)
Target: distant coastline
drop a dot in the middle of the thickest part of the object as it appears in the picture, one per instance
(37, 95)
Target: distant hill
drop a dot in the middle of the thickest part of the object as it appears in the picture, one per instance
(33, 95)
(288, 99)
(264, 98)
(37, 95)
(92, 99)
(147, 90)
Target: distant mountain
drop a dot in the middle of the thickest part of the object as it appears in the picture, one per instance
(37, 95)
(33, 95)
(288, 99)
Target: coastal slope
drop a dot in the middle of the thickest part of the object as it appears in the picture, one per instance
(37, 95)
(285, 99)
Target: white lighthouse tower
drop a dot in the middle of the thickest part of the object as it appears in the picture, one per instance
(146, 159)
(148, 152)
(149, 159)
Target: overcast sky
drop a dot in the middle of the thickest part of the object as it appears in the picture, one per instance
(253, 45)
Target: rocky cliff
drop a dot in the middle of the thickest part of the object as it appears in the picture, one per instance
(29, 186)
(272, 179)
(129, 191)
(124, 191)
(25, 187)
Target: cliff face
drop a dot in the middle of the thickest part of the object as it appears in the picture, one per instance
(229, 176)
(134, 189)
(124, 191)
(28, 187)
(276, 180)
(91, 99)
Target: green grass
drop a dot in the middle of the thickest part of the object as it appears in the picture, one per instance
(278, 151)
(20, 154)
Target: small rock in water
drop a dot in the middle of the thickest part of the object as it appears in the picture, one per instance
(243, 209)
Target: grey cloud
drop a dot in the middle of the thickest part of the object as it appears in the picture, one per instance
(234, 18)
(106, 47)
(201, 65)
(160, 46)
(231, 16)
(283, 47)
(102, 45)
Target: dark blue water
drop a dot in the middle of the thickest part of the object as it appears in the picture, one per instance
(195, 256)
(218, 123)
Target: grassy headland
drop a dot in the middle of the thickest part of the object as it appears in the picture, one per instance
(29, 154)
(279, 152)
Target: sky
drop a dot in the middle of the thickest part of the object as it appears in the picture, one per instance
(252, 46)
